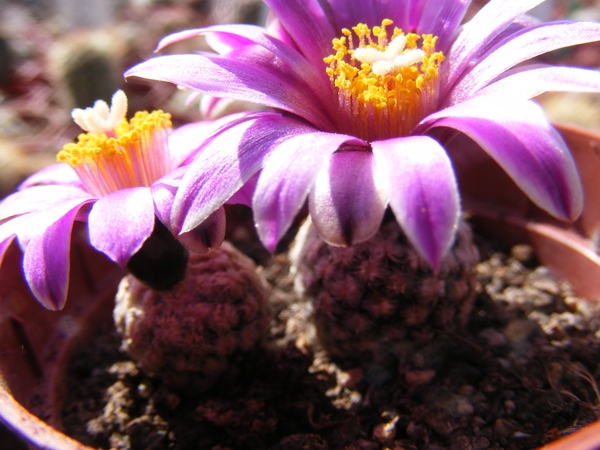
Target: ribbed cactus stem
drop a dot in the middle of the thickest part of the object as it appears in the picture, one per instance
(372, 298)
(196, 333)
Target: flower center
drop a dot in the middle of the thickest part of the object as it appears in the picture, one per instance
(385, 85)
(115, 153)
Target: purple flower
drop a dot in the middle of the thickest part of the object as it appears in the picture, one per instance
(116, 178)
(358, 89)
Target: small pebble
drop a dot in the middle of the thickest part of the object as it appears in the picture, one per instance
(522, 252)
(354, 376)
(418, 377)
(518, 331)
(521, 435)
(509, 406)
(493, 337)
(464, 407)
(480, 443)
(386, 431)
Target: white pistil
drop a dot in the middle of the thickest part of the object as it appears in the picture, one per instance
(368, 55)
(399, 62)
(393, 58)
(100, 118)
(396, 47)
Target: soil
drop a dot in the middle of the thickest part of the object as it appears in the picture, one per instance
(523, 374)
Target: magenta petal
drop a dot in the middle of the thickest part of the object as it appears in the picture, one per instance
(208, 234)
(345, 204)
(227, 162)
(163, 193)
(350, 13)
(38, 198)
(286, 180)
(246, 35)
(223, 42)
(520, 47)
(228, 38)
(8, 232)
(121, 222)
(4, 244)
(519, 24)
(274, 28)
(186, 140)
(309, 23)
(35, 223)
(419, 181)
(238, 79)
(520, 139)
(491, 20)
(46, 262)
(246, 192)
(526, 83)
(54, 174)
(442, 19)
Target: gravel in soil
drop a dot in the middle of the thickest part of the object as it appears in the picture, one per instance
(524, 374)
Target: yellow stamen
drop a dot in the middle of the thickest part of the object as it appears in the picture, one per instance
(385, 84)
(133, 154)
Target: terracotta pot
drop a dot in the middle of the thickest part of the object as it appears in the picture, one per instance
(499, 210)
(35, 343)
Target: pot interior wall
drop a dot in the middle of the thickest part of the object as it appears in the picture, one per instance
(34, 340)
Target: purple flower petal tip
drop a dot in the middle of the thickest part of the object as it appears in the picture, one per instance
(209, 234)
(346, 204)
(418, 178)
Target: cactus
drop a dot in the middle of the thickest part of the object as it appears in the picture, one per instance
(198, 332)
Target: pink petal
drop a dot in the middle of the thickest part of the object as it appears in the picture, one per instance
(309, 23)
(121, 222)
(55, 174)
(38, 198)
(491, 20)
(523, 84)
(442, 20)
(186, 140)
(246, 192)
(286, 180)
(346, 206)
(417, 176)
(244, 79)
(46, 256)
(520, 139)
(208, 234)
(226, 163)
(520, 47)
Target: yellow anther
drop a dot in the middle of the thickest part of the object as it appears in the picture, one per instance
(412, 39)
(385, 86)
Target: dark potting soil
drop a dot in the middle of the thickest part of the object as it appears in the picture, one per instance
(523, 374)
